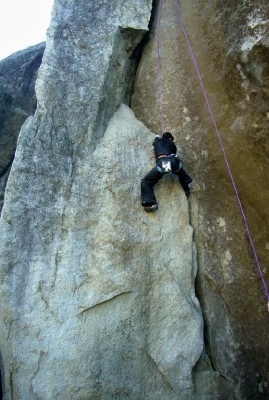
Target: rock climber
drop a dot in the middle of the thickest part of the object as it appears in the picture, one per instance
(167, 161)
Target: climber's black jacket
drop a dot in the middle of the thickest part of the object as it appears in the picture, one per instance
(163, 146)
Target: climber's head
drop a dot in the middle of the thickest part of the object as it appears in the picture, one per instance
(168, 135)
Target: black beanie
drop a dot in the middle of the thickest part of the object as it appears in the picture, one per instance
(168, 135)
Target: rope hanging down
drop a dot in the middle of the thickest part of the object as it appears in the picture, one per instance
(159, 65)
(216, 129)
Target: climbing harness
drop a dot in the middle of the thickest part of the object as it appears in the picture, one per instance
(215, 125)
(166, 166)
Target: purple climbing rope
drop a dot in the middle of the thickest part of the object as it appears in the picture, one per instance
(223, 150)
(159, 65)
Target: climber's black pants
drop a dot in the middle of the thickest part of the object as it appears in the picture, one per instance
(154, 175)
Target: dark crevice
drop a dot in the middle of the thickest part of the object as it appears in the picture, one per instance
(200, 296)
(205, 361)
(3, 181)
(137, 54)
(8, 167)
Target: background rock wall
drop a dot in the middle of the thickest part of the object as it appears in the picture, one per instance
(230, 41)
(18, 75)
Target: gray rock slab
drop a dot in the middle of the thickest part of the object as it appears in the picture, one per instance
(97, 297)
(100, 303)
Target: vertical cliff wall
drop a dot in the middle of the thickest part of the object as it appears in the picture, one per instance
(98, 298)
(230, 42)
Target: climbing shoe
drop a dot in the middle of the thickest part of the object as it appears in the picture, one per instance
(150, 207)
(154, 207)
(194, 187)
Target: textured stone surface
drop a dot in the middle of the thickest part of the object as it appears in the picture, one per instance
(97, 296)
(103, 304)
(231, 45)
(18, 74)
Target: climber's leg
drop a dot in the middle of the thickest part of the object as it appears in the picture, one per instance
(148, 198)
(184, 179)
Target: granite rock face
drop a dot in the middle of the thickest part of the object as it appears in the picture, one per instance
(18, 74)
(230, 41)
(99, 302)
(97, 297)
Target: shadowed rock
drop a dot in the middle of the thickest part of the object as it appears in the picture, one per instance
(18, 74)
(231, 45)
